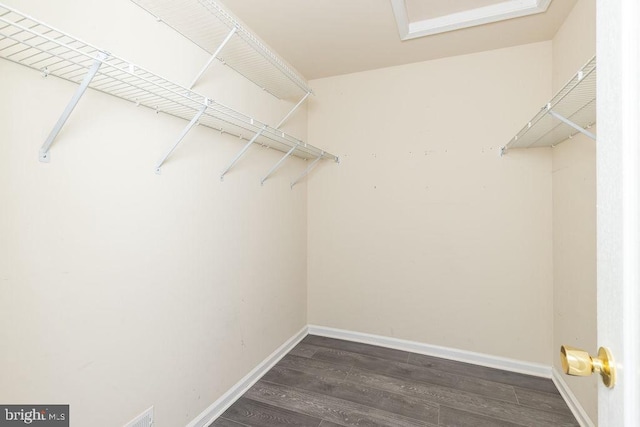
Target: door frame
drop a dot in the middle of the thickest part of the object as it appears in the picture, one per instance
(618, 205)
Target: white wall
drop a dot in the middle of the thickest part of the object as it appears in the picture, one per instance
(122, 289)
(574, 213)
(423, 232)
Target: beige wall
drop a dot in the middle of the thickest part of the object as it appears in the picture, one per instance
(423, 232)
(126, 289)
(121, 289)
(574, 212)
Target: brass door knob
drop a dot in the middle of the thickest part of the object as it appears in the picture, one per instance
(579, 362)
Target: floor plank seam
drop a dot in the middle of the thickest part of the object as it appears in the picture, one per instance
(235, 422)
(399, 387)
(470, 411)
(349, 373)
(461, 377)
(551, 411)
(400, 378)
(423, 401)
(465, 409)
(414, 362)
(360, 407)
(429, 383)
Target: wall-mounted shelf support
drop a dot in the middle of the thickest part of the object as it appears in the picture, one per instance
(293, 110)
(277, 165)
(572, 124)
(44, 155)
(214, 56)
(246, 147)
(307, 170)
(241, 153)
(184, 133)
(281, 161)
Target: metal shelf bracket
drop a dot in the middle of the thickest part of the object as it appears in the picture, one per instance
(570, 123)
(184, 133)
(44, 155)
(307, 170)
(281, 161)
(241, 153)
(277, 165)
(295, 107)
(214, 56)
(246, 147)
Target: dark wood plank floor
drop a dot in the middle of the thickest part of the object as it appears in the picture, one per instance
(324, 382)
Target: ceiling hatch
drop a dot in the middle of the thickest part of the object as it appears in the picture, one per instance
(419, 18)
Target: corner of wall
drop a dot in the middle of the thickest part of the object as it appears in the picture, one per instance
(574, 220)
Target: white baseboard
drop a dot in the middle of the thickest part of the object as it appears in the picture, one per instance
(507, 364)
(222, 404)
(573, 403)
(487, 360)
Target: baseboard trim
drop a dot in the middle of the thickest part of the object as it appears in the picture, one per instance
(219, 406)
(507, 364)
(576, 408)
(513, 365)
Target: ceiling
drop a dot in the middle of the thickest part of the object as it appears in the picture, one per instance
(323, 38)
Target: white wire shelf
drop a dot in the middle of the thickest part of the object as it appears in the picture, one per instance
(570, 111)
(207, 23)
(29, 42)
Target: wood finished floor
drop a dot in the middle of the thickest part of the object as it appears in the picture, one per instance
(324, 382)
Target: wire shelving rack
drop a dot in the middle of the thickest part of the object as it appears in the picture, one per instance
(216, 30)
(572, 110)
(29, 42)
